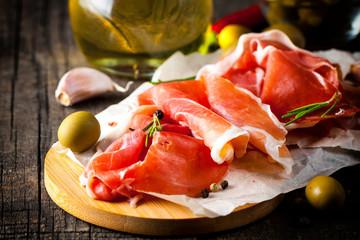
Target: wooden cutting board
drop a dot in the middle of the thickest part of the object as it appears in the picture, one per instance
(153, 216)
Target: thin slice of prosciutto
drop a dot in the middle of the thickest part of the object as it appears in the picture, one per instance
(174, 164)
(101, 173)
(283, 76)
(183, 104)
(243, 109)
(143, 115)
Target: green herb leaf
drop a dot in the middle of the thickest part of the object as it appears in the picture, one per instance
(173, 80)
(154, 126)
(304, 110)
(148, 126)
(332, 107)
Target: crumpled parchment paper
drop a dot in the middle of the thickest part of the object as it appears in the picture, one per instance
(249, 181)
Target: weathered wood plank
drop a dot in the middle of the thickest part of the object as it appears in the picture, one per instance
(9, 138)
(36, 49)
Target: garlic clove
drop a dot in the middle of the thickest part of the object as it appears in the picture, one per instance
(83, 83)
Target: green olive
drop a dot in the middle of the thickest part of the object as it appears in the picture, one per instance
(79, 131)
(325, 193)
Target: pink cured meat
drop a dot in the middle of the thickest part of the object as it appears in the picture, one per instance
(144, 115)
(307, 79)
(281, 74)
(176, 164)
(102, 180)
(245, 110)
(183, 164)
(223, 138)
(191, 89)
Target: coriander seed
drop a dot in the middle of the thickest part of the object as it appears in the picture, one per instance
(214, 187)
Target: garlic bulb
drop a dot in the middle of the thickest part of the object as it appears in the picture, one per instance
(83, 83)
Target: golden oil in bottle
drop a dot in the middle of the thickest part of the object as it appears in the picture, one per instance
(133, 37)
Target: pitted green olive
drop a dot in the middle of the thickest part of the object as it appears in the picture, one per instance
(79, 131)
(325, 193)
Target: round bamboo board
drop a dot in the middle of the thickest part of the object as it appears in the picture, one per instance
(153, 216)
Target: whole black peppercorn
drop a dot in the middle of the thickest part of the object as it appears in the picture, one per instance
(204, 193)
(159, 114)
(224, 184)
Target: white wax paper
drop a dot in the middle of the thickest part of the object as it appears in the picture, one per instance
(249, 182)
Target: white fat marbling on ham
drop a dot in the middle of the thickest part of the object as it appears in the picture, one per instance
(223, 65)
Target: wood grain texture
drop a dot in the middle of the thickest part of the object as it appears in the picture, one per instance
(36, 49)
(153, 216)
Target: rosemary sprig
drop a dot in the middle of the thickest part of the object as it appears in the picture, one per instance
(154, 125)
(173, 80)
(304, 110)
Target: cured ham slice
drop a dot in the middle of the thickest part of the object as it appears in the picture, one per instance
(245, 110)
(144, 115)
(304, 79)
(242, 59)
(223, 138)
(191, 89)
(175, 164)
(281, 74)
(103, 181)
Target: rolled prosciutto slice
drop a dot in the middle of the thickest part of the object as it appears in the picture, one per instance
(101, 173)
(183, 104)
(144, 115)
(191, 89)
(281, 74)
(173, 164)
(243, 109)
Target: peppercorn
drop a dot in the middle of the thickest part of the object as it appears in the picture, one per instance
(159, 114)
(224, 184)
(204, 193)
(214, 187)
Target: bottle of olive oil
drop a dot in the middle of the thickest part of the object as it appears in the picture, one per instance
(134, 37)
(324, 23)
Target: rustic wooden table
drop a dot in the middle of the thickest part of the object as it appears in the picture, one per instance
(36, 49)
